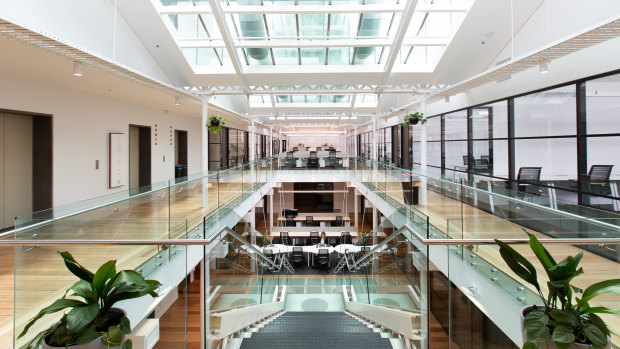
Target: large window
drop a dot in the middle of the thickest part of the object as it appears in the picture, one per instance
(600, 180)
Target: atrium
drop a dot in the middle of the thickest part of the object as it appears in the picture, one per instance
(309, 173)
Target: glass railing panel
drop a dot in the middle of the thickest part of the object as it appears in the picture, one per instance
(122, 204)
(41, 277)
(194, 198)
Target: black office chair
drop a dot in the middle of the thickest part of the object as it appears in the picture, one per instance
(297, 256)
(290, 222)
(465, 160)
(314, 238)
(310, 222)
(598, 180)
(528, 176)
(285, 238)
(323, 257)
(345, 238)
(486, 159)
(269, 253)
(338, 222)
(333, 241)
(276, 240)
(295, 149)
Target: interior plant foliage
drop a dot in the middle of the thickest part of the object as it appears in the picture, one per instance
(216, 123)
(411, 118)
(90, 303)
(566, 316)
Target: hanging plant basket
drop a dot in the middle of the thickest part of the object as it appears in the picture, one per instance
(215, 123)
(414, 119)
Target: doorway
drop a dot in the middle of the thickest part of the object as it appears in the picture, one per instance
(25, 165)
(180, 154)
(139, 159)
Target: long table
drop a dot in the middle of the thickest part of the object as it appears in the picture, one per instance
(302, 218)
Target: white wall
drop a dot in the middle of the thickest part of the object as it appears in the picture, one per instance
(81, 123)
(315, 140)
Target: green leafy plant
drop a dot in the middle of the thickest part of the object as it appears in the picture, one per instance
(564, 317)
(324, 145)
(91, 302)
(414, 119)
(300, 144)
(215, 123)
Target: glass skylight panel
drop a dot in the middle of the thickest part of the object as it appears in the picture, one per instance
(285, 56)
(190, 26)
(312, 56)
(282, 25)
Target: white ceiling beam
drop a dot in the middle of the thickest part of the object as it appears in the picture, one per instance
(443, 7)
(353, 98)
(282, 9)
(403, 26)
(230, 47)
(335, 42)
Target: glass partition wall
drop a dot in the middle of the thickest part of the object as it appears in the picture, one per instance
(554, 143)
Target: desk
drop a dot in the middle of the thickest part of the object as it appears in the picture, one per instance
(306, 233)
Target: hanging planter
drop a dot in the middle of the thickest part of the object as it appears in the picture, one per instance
(414, 119)
(215, 123)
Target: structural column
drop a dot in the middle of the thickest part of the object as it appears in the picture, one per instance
(205, 150)
(423, 153)
(270, 211)
(374, 153)
(356, 208)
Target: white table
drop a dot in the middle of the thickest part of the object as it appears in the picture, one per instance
(348, 248)
(314, 250)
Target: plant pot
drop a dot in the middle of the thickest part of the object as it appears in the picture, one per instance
(114, 313)
(414, 121)
(215, 123)
(95, 344)
(550, 344)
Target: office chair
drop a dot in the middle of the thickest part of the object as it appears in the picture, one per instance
(323, 257)
(338, 222)
(285, 238)
(314, 238)
(598, 180)
(465, 160)
(290, 221)
(310, 222)
(276, 240)
(313, 160)
(486, 159)
(298, 255)
(528, 176)
(333, 241)
(345, 238)
(290, 160)
(269, 253)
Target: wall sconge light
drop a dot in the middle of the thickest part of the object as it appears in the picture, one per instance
(543, 67)
(77, 68)
(177, 100)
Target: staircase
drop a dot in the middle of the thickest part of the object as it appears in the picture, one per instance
(314, 330)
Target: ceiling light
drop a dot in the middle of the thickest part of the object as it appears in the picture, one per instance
(543, 67)
(177, 100)
(77, 68)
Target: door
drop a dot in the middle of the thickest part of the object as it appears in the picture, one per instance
(139, 158)
(180, 154)
(16, 167)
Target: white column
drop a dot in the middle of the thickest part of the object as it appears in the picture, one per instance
(374, 153)
(423, 155)
(205, 150)
(271, 141)
(252, 147)
(270, 212)
(374, 225)
(356, 208)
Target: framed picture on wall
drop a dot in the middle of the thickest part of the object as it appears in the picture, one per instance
(118, 158)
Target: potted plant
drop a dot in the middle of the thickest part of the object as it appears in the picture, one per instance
(414, 118)
(324, 145)
(564, 319)
(92, 322)
(216, 123)
(301, 145)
